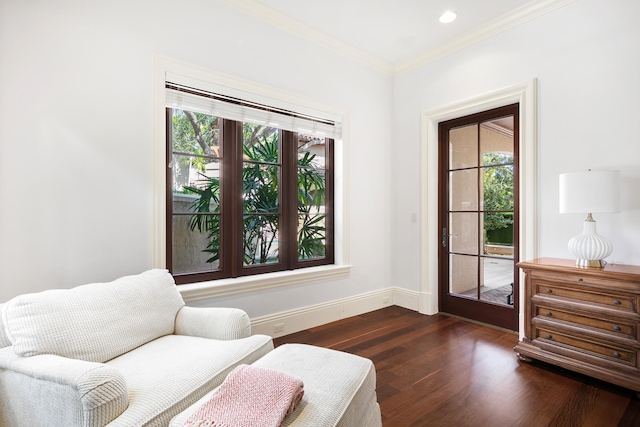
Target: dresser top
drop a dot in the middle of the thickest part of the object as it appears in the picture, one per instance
(611, 271)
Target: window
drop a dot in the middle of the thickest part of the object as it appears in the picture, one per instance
(249, 189)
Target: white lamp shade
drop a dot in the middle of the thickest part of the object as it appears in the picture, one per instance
(590, 192)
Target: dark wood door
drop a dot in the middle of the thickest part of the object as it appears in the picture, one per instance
(478, 216)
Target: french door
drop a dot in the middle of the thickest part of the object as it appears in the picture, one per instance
(478, 216)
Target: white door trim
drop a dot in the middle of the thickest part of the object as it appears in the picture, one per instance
(525, 95)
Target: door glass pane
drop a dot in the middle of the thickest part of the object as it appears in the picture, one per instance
(498, 233)
(497, 188)
(496, 141)
(463, 195)
(463, 275)
(463, 236)
(463, 147)
(497, 281)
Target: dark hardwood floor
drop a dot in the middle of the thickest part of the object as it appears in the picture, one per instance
(445, 371)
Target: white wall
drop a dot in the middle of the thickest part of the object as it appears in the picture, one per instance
(586, 57)
(76, 129)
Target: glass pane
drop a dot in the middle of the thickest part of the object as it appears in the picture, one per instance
(463, 275)
(495, 158)
(497, 281)
(195, 241)
(311, 190)
(497, 188)
(498, 233)
(311, 236)
(463, 236)
(195, 179)
(261, 143)
(260, 188)
(311, 151)
(463, 146)
(496, 141)
(464, 190)
(196, 133)
(260, 239)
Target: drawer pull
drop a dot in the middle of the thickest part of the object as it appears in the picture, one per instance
(548, 314)
(616, 328)
(549, 337)
(548, 291)
(616, 302)
(616, 354)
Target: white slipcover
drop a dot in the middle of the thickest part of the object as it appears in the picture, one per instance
(125, 353)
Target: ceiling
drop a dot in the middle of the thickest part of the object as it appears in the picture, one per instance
(395, 36)
(394, 30)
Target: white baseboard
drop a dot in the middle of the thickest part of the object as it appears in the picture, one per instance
(288, 322)
(406, 298)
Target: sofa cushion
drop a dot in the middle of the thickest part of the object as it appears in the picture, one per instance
(94, 322)
(167, 375)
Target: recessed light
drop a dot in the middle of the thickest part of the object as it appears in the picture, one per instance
(447, 17)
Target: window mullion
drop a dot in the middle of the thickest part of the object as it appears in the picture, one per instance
(232, 198)
(289, 201)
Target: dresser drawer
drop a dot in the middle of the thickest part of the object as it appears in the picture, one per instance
(581, 279)
(618, 301)
(614, 326)
(614, 353)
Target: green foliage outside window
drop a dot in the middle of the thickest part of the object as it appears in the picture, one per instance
(260, 191)
(498, 196)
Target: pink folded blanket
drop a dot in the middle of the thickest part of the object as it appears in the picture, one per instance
(250, 397)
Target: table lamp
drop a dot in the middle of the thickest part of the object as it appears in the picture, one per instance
(590, 192)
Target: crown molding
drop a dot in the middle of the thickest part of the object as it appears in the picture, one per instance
(501, 24)
(292, 25)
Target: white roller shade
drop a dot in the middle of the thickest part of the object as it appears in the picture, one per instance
(246, 110)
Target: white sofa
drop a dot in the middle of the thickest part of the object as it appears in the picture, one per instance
(124, 353)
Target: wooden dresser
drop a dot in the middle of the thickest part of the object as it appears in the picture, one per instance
(583, 319)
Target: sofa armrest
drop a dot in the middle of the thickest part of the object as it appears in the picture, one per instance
(54, 390)
(213, 322)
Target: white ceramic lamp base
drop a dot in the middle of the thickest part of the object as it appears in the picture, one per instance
(590, 248)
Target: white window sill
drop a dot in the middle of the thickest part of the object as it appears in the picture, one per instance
(217, 288)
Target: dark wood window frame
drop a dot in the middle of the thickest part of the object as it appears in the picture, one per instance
(231, 239)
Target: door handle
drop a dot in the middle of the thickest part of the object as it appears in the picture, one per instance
(444, 237)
